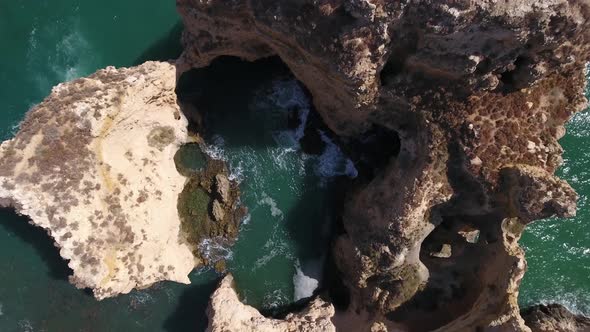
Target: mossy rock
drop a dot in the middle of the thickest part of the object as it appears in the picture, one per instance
(189, 159)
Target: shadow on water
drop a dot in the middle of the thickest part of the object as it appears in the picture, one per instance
(166, 48)
(221, 93)
(38, 238)
(190, 313)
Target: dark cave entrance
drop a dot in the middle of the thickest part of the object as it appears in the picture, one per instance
(261, 121)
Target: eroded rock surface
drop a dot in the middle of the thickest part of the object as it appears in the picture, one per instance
(93, 164)
(554, 318)
(477, 93)
(227, 313)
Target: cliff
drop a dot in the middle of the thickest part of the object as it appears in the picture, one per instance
(476, 93)
(233, 315)
(463, 101)
(93, 164)
(554, 318)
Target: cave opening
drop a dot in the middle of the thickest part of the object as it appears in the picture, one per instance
(455, 255)
(514, 78)
(291, 169)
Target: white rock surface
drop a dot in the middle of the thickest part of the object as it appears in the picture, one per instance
(227, 313)
(93, 165)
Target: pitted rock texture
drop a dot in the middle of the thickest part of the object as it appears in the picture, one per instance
(227, 313)
(554, 318)
(93, 164)
(477, 91)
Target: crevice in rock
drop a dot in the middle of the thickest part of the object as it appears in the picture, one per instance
(512, 79)
(454, 255)
(401, 50)
(373, 150)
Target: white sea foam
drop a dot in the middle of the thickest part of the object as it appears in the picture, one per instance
(332, 162)
(274, 299)
(574, 302)
(272, 204)
(25, 326)
(260, 262)
(1, 312)
(70, 54)
(70, 57)
(246, 219)
(215, 249)
(274, 246)
(140, 298)
(304, 285)
(285, 96)
(215, 149)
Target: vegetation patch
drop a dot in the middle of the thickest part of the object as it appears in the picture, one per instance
(161, 137)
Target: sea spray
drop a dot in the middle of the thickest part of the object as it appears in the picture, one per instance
(303, 285)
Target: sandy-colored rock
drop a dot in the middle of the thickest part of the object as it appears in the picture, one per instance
(93, 165)
(227, 313)
(445, 251)
(222, 186)
(477, 93)
(217, 210)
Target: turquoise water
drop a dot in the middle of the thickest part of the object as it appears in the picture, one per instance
(279, 254)
(282, 244)
(558, 251)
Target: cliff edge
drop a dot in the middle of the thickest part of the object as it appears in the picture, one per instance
(476, 94)
(93, 164)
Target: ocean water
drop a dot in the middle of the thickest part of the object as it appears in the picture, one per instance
(278, 257)
(283, 241)
(558, 250)
(255, 115)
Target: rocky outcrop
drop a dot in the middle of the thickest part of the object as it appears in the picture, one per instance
(227, 313)
(477, 93)
(93, 165)
(554, 318)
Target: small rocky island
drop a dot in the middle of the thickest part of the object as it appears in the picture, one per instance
(463, 101)
(94, 164)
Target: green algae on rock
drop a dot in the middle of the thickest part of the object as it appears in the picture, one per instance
(208, 205)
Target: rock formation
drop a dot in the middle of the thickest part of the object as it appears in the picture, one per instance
(233, 315)
(476, 92)
(93, 165)
(467, 99)
(554, 318)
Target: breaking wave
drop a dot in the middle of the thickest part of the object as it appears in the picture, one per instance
(303, 285)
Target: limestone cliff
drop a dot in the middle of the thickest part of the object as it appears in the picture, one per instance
(476, 92)
(93, 164)
(233, 315)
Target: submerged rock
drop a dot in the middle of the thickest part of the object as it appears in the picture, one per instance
(93, 165)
